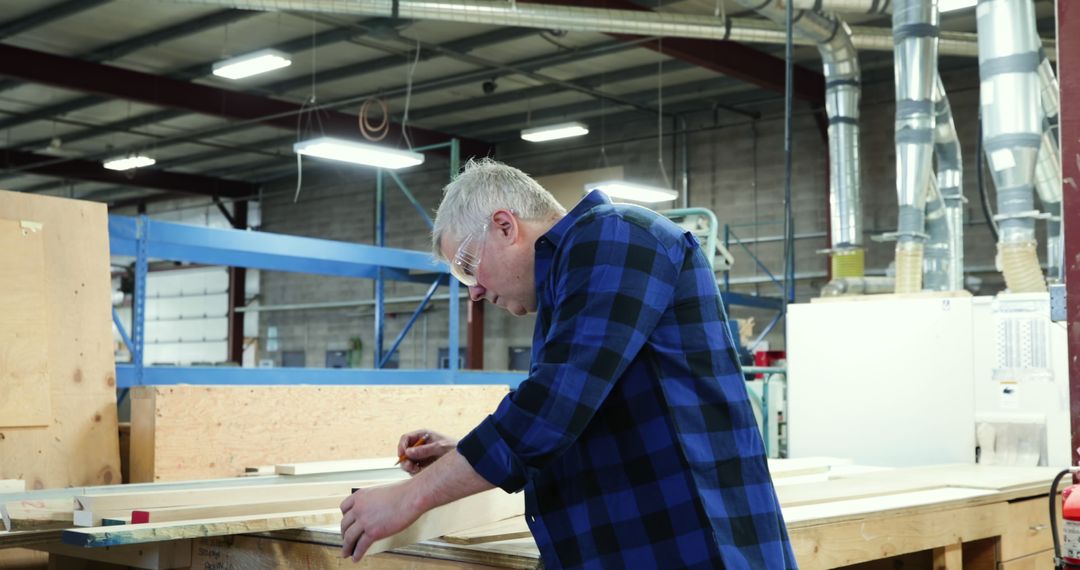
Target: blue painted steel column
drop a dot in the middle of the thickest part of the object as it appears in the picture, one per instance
(138, 308)
(380, 290)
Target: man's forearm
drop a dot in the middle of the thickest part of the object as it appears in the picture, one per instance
(446, 480)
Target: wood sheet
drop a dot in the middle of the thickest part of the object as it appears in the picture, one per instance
(24, 334)
(203, 432)
(79, 446)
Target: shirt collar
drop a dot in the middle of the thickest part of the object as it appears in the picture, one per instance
(590, 201)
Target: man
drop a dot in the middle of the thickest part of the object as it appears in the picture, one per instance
(633, 435)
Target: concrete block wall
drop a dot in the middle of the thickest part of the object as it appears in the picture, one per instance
(735, 169)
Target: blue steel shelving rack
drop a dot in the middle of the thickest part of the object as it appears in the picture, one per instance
(144, 239)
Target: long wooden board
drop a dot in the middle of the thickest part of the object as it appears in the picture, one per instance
(483, 507)
(91, 509)
(12, 485)
(198, 432)
(36, 515)
(172, 514)
(316, 467)
(79, 445)
(509, 529)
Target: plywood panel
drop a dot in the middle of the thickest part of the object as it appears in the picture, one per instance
(79, 446)
(246, 552)
(24, 371)
(202, 432)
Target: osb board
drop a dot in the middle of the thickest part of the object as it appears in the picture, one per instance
(202, 432)
(79, 446)
(24, 370)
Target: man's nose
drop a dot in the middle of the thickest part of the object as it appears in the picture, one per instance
(476, 292)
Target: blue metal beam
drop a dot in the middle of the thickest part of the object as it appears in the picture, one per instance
(225, 375)
(275, 252)
(774, 303)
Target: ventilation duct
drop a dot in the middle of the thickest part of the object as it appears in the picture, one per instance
(1012, 131)
(842, 92)
(1048, 170)
(915, 31)
(576, 18)
(944, 262)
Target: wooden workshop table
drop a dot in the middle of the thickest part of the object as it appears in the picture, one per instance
(962, 516)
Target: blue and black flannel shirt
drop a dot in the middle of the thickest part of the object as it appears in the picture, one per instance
(633, 436)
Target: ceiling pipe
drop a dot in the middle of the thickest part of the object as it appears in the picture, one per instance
(583, 19)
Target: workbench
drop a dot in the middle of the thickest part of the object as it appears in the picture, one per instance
(956, 516)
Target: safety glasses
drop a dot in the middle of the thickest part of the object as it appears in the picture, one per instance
(467, 259)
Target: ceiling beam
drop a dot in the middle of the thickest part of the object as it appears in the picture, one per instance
(46, 15)
(68, 73)
(142, 177)
(730, 58)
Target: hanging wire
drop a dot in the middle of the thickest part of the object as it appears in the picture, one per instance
(788, 96)
(408, 96)
(660, 111)
(308, 109)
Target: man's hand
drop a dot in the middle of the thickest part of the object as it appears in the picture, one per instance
(419, 457)
(375, 513)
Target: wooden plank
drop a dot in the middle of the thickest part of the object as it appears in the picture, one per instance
(492, 505)
(889, 504)
(949, 557)
(194, 432)
(12, 485)
(79, 446)
(158, 556)
(28, 538)
(315, 467)
(779, 468)
(169, 514)
(499, 531)
(37, 515)
(94, 537)
(872, 537)
(246, 552)
(24, 333)
(91, 509)
(520, 553)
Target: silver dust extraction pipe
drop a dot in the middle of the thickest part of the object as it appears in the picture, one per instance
(580, 19)
(944, 263)
(1012, 132)
(1048, 170)
(865, 285)
(915, 31)
(842, 92)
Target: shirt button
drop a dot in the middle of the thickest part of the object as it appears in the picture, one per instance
(532, 518)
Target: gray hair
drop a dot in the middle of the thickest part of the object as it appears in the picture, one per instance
(484, 186)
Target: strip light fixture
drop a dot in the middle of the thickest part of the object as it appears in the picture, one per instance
(635, 192)
(253, 63)
(358, 153)
(954, 5)
(128, 162)
(554, 132)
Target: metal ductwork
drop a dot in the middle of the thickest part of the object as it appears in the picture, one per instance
(915, 31)
(1012, 131)
(944, 254)
(575, 18)
(842, 93)
(1048, 170)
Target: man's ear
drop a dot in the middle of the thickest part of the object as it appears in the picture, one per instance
(506, 225)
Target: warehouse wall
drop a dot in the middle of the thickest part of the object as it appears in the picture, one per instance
(735, 168)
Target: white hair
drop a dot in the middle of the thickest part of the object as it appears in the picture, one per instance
(484, 186)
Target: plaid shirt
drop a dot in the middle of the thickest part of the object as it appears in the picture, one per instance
(633, 435)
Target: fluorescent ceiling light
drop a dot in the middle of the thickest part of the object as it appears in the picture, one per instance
(358, 153)
(635, 192)
(954, 5)
(552, 132)
(253, 63)
(128, 162)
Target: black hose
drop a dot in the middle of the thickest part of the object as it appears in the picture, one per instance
(984, 198)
